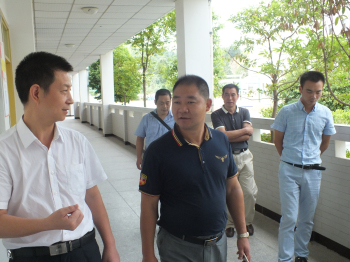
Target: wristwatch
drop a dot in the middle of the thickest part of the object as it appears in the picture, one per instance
(246, 234)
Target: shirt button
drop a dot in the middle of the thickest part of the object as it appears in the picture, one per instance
(52, 172)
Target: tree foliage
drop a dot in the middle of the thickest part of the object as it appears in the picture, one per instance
(94, 83)
(127, 79)
(331, 28)
(271, 46)
(152, 41)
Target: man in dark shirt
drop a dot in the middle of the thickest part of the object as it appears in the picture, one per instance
(235, 122)
(192, 172)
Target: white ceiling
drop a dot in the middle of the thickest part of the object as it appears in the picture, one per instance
(61, 22)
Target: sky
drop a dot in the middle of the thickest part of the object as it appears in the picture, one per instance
(226, 8)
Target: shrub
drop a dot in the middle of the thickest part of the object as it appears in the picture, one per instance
(341, 117)
(266, 137)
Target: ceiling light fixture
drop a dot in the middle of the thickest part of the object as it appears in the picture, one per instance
(90, 10)
(70, 45)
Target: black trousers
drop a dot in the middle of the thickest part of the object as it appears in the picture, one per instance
(88, 253)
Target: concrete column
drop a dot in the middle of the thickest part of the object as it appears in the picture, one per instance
(107, 91)
(76, 95)
(194, 41)
(84, 94)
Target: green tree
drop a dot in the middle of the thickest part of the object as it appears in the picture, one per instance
(127, 79)
(94, 79)
(152, 41)
(331, 28)
(164, 71)
(270, 44)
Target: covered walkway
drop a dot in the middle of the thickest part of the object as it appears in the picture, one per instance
(122, 200)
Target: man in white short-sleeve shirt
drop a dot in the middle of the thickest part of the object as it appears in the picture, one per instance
(49, 199)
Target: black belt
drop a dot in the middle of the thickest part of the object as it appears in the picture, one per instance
(55, 249)
(200, 241)
(314, 166)
(238, 151)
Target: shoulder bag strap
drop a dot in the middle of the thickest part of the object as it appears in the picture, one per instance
(160, 120)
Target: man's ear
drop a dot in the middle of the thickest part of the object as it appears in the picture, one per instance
(208, 104)
(34, 92)
(300, 89)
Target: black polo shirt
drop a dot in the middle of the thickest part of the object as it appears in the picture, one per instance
(222, 118)
(190, 180)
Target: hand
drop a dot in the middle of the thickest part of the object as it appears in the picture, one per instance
(68, 218)
(139, 163)
(249, 130)
(243, 248)
(110, 254)
(151, 259)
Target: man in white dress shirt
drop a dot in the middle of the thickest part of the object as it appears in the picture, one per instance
(49, 199)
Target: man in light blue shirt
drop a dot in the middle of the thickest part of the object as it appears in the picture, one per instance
(150, 127)
(302, 133)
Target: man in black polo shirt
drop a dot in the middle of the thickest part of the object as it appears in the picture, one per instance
(235, 123)
(192, 172)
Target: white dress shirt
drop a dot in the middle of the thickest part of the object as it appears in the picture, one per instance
(36, 181)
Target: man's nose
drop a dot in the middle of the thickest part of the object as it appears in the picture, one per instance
(70, 99)
(183, 108)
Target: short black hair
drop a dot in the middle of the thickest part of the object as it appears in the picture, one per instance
(199, 82)
(162, 92)
(38, 68)
(313, 76)
(229, 86)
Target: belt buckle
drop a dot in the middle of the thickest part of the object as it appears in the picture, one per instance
(306, 166)
(9, 254)
(58, 249)
(210, 242)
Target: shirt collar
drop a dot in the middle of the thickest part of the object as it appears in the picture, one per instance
(180, 140)
(27, 137)
(301, 106)
(225, 111)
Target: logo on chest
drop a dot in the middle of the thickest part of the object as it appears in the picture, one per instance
(222, 158)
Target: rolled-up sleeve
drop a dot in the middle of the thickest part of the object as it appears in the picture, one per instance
(5, 185)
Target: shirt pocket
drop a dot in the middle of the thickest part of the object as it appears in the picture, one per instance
(76, 179)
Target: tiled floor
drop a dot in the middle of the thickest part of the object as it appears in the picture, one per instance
(122, 200)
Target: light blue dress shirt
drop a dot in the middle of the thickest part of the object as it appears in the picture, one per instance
(303, 132)
(152, 129)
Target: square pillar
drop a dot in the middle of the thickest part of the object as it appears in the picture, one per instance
(84, 94)
(107, 91)
(194, 39)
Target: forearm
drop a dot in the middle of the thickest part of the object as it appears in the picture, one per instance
(279, 148)
(100, 216)
(148, 220)
(324, 143)
(139, 146)
(12, 226)
(235, 204)
(279, 141)
(237, 135)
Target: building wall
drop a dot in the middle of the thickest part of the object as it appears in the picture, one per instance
(19, 16)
